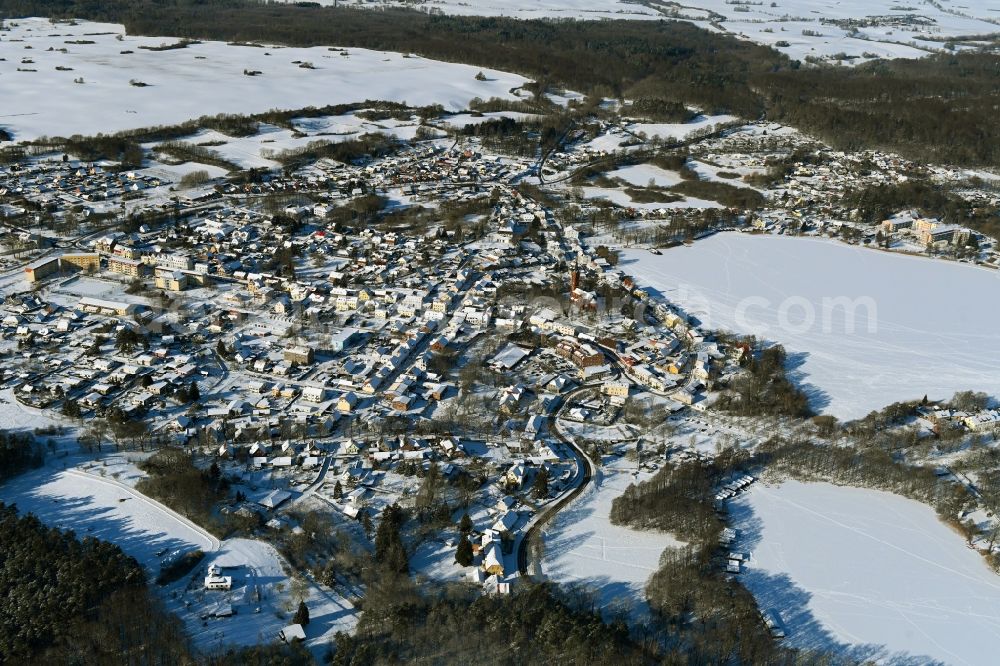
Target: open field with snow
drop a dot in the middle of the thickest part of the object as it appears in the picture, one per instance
(903, 326)
(108, 508)
(201, 79)
(583, 547)
(799, 28)
(100, 507)
(523, 9)
(869, 574)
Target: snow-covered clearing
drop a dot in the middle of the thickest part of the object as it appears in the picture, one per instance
(862, 328)
(201, 79)
(522, 9)
(870, 574)
(15, 416)
(680, 131)
(260, 580)
(460, 120)
(583, 547)
(641, 175)
(101, 507)
(620, 198)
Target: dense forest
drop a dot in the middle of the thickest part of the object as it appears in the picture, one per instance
(940, 108)
(456, 625)
(67, 600)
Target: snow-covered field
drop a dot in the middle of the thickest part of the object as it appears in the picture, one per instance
(522, 9)
(100, 507)
(870, 574)
(109, 508)
(201, 79)
(643, 174)
(680, 131)
(862, 328)
(885, 28)
(582, 546)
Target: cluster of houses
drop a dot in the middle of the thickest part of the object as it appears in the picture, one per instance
(933, 418)
(55, 184)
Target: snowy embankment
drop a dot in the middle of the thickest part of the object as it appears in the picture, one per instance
(106, 509)
(862, 328)
(96, 86)
(582, 546)
(868, 574)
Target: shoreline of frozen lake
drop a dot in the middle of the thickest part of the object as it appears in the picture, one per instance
(867, 574)
(884, 327)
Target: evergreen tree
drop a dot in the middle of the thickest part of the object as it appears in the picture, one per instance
(71, 408)
(465, 524)
(301, 615)
(541, 488)
(389, 550)
(464, 553)
(338, 491)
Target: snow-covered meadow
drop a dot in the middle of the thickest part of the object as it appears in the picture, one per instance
(798, 28)
(581, 546)
(862, 328)
(201, 79)
(522, 9)
(868, 574)
(104, 508)
(98, 500)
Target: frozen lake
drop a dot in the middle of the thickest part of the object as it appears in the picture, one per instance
(862, 328)
(869, 574)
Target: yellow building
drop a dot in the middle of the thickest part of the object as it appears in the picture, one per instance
(130, 267)
(171, 280)
(41, 269)
(84, 261)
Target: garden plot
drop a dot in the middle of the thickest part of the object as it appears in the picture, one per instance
(869, 574)
(201, 79)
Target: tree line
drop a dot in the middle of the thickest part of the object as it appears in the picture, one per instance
(68, 600)
(939, 108)
(19, 452)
